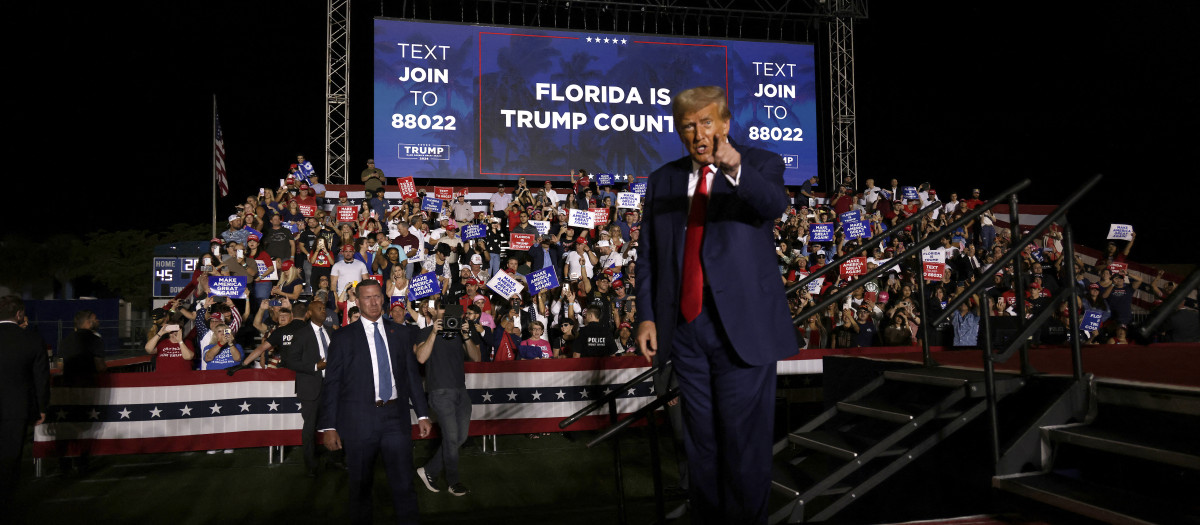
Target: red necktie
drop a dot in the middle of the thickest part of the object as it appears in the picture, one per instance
(691, 297)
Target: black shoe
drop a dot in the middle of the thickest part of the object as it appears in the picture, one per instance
(336, 465)
(428, 480)
(458, 489)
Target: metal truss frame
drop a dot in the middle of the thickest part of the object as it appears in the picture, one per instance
(337, 89)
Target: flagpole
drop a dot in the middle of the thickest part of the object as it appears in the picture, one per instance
(214, 168)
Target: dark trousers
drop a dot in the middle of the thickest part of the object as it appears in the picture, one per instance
(728, 410)
(309, 408)
(453, 409)
(392, 440)
(12, 442)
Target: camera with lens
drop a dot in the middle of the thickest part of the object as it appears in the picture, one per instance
(452, 320)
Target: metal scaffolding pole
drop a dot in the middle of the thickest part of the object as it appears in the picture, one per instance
(842, 132)
(337, 88)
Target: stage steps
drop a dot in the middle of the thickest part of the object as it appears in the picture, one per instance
(852, 447)
(1136, 459)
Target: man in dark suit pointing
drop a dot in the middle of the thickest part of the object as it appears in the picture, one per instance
(24, 390)
(710, 300)
(371, 378)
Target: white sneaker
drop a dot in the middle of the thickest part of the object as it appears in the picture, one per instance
(427, 480)
(229, 451)
(212, 452)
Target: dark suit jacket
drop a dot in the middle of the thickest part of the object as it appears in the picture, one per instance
(24, 375)
(738, 256)
(302, 356)
(348, 395)
(536, 255)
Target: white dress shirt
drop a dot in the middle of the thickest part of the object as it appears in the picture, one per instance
(370, 329)
(319, 331)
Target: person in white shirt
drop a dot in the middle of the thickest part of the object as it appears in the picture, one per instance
(348, 270)
(551, 194)
(580, 261)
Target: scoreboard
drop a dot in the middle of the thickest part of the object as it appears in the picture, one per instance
(172, 274)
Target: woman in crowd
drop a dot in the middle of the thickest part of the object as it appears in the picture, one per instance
(397, 282)
(291, 283)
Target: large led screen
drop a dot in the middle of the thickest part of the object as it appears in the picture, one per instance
(494, 103)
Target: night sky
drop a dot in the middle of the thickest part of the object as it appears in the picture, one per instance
(114, 120)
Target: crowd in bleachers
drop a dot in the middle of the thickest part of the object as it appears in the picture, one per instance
(290, 245)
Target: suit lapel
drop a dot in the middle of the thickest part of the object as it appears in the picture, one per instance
(677, 186)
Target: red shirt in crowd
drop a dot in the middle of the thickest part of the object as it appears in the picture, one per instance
(170, 357)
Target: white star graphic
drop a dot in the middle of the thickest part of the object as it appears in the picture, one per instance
(615, 41)
(94, 414)
(589, 39)
(561, 394)
(155, 413)
(583, 393)
(537, 396)
(623, 41)
(245, 406)
(273, 405)
(62, 414)
(607, 391)
(605, 40)
(512, 396)
(651, 389)
(297, 406)
(185, 411)
(216, 409)
(632, 391)
(487, 397)
(124, 413)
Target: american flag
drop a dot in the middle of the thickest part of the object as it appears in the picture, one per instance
(219, 153)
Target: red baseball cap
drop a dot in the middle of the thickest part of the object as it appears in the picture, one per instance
(286, 265)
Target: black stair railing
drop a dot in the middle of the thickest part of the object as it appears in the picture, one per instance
(1169, 304)
(899, 258)
(615, 426)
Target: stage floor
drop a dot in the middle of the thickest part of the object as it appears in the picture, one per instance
(1170, 365)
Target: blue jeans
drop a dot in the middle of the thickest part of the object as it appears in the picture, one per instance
(453, 409)
(988, 234)
(494, 262)
(262, 289)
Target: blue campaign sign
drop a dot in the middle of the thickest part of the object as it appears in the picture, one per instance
(604, 179)
(857, 229)
(253, 232)
(430, 203)
(473, 231)
(227, 286)
(850, 216)
(1090, 322)
(820, 232)
(638, 188)
(423, 286)
(910, 192)
(543, 279)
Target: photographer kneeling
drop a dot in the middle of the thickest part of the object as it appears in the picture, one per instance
(443, 348)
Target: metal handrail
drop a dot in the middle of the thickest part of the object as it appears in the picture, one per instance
(874, 240)
(636, 415)
(1170, 304)
(912, 250)
(611, 396)
(1016, 249)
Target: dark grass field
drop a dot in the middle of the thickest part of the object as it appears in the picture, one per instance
(549, 480)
